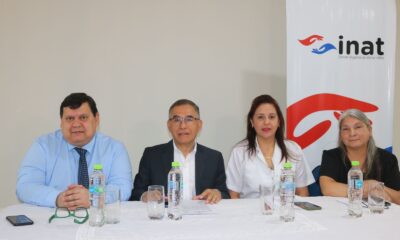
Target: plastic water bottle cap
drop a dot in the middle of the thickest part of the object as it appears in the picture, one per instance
(176, 164)
(98, 167)
(355, 163)
(287, 165)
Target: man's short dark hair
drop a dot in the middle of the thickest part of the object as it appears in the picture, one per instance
(75, 100)
(181, 102)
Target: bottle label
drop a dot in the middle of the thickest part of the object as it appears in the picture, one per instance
(96, 189)
(173, 185)
(99, 189)
(288, 186)
(356, 182)
(359, 183)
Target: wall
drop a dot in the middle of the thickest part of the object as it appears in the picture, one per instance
(135, 58)
(396, 127)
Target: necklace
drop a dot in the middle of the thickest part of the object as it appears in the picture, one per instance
(268, 152)
(268, 161)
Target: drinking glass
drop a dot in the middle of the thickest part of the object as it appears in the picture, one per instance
(155, 202)
(113, 204)
(267, 198)
(376, 197)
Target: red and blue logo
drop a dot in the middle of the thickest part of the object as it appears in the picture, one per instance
(315, 38)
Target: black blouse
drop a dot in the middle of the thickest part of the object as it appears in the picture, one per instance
(333, 166)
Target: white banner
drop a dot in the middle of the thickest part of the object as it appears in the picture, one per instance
(340, 55)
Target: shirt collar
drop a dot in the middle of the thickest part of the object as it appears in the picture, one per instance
(257, 146)
(276, 149)
(177, 149)
(88, 147)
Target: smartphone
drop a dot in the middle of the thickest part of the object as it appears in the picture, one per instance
(307, 205)
(19, 220)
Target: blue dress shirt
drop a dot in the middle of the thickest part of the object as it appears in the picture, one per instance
(51, 165)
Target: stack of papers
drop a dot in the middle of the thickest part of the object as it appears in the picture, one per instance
(196, 207)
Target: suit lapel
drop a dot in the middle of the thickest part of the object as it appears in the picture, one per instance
(168, 157)
(199, 166)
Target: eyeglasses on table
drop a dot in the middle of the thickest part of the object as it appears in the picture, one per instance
(80, 215)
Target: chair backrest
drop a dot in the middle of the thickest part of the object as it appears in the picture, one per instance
(314, 189)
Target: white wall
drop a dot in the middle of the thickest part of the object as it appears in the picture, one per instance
(396, 122)
(135, 58)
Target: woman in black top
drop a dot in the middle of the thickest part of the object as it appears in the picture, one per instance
(357, 144)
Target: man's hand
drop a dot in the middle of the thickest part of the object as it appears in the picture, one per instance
(152, 196)
(75, 196)
(143, 198)
(211, 196)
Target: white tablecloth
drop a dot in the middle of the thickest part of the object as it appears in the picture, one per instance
(231, 219)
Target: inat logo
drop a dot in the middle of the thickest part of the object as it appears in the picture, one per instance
(345, 47)
(350, 47)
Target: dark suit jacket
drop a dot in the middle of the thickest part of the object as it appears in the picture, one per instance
(156, 163)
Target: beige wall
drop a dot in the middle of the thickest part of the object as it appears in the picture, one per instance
(135, 58)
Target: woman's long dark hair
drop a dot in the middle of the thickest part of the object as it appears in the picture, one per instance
(251, 132)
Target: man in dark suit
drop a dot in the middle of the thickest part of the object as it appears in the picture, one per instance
(203, 168)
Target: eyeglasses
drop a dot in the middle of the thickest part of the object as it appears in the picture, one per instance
(80, 215)
(188, 119)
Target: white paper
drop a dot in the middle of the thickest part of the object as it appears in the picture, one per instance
(196, 207)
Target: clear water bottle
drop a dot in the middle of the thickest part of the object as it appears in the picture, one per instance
(287, 191)
(355, 189)
(97, 197)
(175, 192)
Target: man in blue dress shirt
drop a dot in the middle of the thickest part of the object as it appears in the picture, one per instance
(48, 175)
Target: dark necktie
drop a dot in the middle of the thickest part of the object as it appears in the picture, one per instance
(83, 175)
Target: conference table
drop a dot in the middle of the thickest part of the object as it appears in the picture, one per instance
(230, 219)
